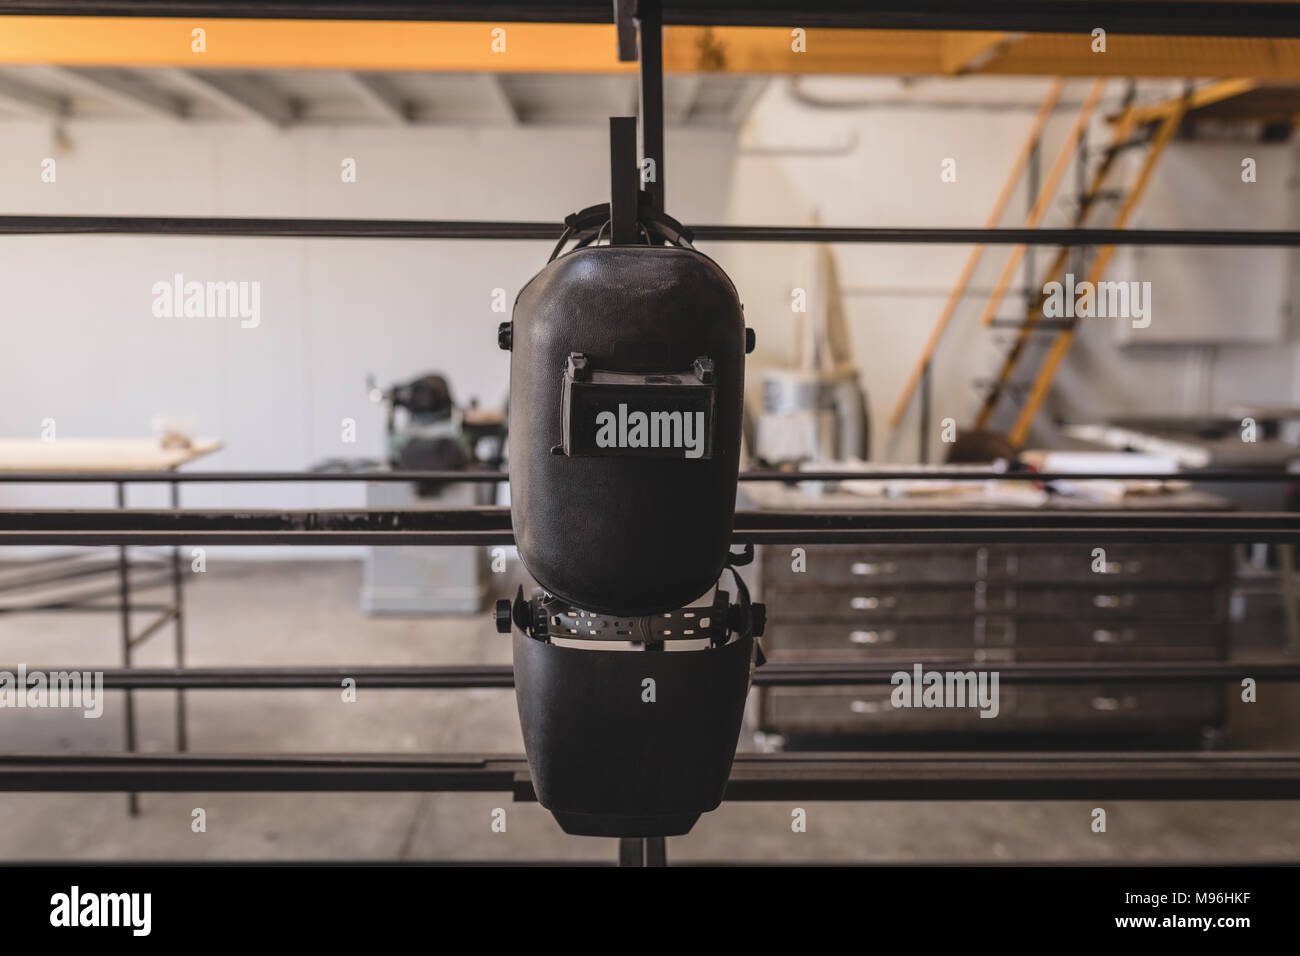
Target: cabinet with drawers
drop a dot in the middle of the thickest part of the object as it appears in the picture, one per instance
(989, 603)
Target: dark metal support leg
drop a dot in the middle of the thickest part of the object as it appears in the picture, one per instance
(656, 851)
(923, 456)
(642, 851)
(178, 625)
(124, 599)
(1032, 295)
(631, 851)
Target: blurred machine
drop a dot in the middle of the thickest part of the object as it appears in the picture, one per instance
(815, 411)
(811, 416)
(426, 431)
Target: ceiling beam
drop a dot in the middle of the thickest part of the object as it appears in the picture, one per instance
(127, 91)
(381, 96)
(246, 96)
(962, 53)
(1208, 18)
(32, 99)
(371, 45)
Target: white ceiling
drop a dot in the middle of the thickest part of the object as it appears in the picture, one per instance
(293, 97)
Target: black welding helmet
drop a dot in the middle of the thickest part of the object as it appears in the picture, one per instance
(626, 383)
(626, 388)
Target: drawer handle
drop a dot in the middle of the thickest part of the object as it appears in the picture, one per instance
(865, 706)
(1112, 600)
(872, 637)
(870, 603)
(1103, 636)
(1114, 703)
(870, 568)
(1122, 567)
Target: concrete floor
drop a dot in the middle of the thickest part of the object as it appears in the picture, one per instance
(308, 613)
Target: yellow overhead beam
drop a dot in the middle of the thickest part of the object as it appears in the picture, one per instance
(461, 47)
(307, 44)
(970, 51)
(1263, 58)
(590, 48)
(1213, 93)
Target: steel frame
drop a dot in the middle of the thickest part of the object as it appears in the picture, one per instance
(772, 674)
(550, 231)
(1253, 475)
(491, 526)
(754, 777)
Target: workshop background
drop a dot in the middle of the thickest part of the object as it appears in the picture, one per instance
(753, 137)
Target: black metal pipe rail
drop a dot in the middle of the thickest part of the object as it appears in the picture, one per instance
(1249, 475)
(771, 674)
(491, 525)
(1028, 16)
(837, 673)
(250, 227)
(829, 776)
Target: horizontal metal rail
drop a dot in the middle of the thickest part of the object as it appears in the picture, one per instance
(831, 673)
(771, 674)
(1252, 475)
(809, 776)
(248, 227)
(1209, 18)
(491, 526)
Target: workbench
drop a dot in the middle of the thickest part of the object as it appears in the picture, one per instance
(52, 577)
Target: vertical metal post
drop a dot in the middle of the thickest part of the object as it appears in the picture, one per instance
(178, 628)
(625, 21)
(623, 229)
(1077, 254)
(124, 607)
(650, 18)
(656, 851)
(924, 424)
(642, 851)
(631, 851)
(1031, 179)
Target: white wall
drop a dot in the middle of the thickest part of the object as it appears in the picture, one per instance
(82, 346)
(891, 178)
